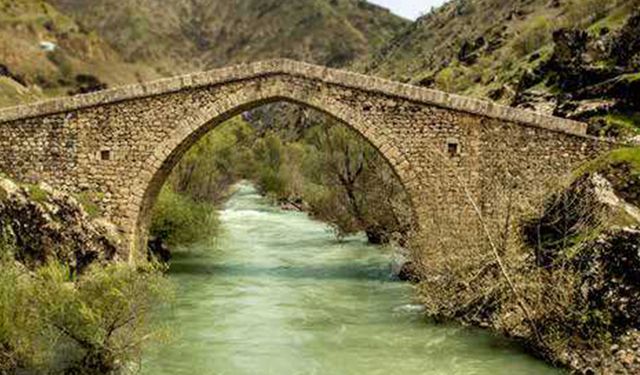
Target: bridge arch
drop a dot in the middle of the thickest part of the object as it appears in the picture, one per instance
(122, 143)
(190, 130)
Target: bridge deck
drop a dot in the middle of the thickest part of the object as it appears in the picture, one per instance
(299, 69)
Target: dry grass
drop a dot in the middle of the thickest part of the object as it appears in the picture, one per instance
(498, 281)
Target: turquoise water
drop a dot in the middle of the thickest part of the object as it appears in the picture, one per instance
(279, 295)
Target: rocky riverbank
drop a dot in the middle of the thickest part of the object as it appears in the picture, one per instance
(44, 224)
(566, 283)
(68, 304)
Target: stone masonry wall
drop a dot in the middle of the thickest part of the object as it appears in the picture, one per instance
(119, 146)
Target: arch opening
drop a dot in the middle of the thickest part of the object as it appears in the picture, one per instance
(206, 120)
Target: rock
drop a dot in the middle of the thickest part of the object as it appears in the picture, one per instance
(377, 236)
(626, 184)
(582, 207)
(409, 272)
(470, 51)
(626, 45)
(158, 250)
(48, 46)
(87, 83)
(536, 101)
(622, 90)
(44, 225)
(583, 109)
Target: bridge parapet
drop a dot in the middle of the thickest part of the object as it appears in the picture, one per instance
(326, 75)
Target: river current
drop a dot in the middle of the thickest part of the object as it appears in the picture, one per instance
(277, 294)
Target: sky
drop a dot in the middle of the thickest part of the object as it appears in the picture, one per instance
(411, 9)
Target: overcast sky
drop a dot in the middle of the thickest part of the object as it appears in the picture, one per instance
(411, 9)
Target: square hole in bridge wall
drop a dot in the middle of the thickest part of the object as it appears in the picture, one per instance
(105, 155)
(452, 148)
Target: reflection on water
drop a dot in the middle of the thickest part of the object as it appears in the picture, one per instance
(278, 295)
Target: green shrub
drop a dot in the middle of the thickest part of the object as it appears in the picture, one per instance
(581, 13)
(52, 323)
(20, 326)
(445, 79)
(103, 318)
(533, 37)
(270, 155)
(221, 157)
(37, 194)
(180, 220)
(456, 79)
(88, 201)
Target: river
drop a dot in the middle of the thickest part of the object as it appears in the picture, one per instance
(277, 294)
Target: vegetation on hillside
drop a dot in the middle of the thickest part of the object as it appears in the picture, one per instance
(177, 36)
(46, 53)
(565, 281)
(570, 58)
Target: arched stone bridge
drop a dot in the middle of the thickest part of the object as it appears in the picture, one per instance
(121, 144)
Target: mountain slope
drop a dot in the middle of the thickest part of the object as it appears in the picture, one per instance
(548, 56)
(45, 53)
(185, 35)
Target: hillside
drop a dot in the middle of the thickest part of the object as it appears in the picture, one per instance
(180, 35)
(64, 47)
(45, 53)
(560, 57)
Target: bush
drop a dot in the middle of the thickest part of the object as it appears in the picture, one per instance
(214, 163)
(533, 37)
(581, 13)
(179, 220)
(19, 324)
(104, 317)
(98, 324)
(352, 187)
(270, 155)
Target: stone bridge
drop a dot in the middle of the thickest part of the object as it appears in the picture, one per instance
(118, 146)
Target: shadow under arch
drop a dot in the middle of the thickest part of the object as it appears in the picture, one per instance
(189, 131)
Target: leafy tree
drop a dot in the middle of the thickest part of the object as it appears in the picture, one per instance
(180, 220)
(361, 192)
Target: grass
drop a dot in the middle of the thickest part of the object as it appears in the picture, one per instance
(629, 155)
(613, 21)
(633, 78)
(87, 199)
(36, 193)
(12, 93)
(623, 123)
